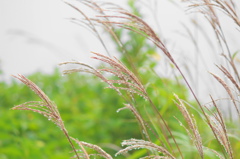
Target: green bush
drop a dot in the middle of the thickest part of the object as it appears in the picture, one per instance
(88, 111)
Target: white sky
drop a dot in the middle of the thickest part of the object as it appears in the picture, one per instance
(35, 35)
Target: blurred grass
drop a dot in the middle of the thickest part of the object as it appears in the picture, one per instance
(88, 111)
(83, 106)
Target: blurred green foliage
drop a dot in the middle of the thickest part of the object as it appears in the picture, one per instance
(88, 111)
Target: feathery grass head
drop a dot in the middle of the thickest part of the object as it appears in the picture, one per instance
(228, 90)
(217, 124)
(44, 107)
(195, 135)
(139, 144)
(227, 7)
(99, 150)
(126, 80)
(230, 77)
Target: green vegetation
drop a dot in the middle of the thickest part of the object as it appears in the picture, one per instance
(88, 111)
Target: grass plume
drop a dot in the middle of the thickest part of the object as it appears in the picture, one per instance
(46, 108)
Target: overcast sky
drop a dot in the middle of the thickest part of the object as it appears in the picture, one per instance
(36, 35)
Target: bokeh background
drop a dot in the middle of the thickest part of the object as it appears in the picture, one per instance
(35, 36)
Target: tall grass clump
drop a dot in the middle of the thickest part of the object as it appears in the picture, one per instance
(192, 128)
